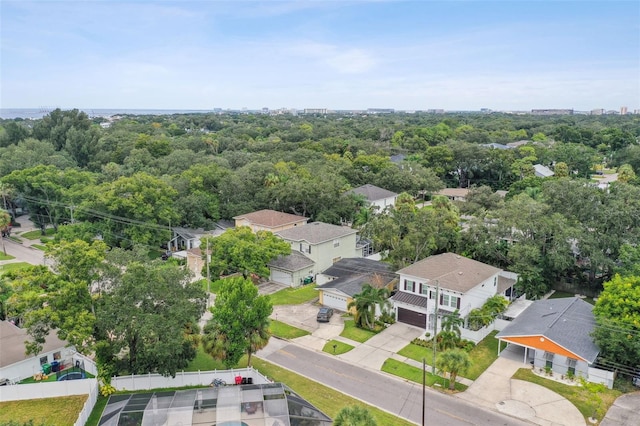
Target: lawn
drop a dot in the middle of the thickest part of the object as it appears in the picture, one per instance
(13, 267)
(352, 332)
(414, 374)
(340, 347)
(562, 294)
(60, 411)
(286, 331)
(39, 247)
(482, 356)
(417, 352)
(294, 296)
(36, 234)
(204, 362)
(579, 396)
(5, 256)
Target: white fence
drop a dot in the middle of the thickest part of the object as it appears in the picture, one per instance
(199, 378)
(476, 336)
(47, 389)
(605, 377)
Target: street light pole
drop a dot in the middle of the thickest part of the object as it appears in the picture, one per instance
(435, 327)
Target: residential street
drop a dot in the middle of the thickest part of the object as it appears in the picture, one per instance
(23, 253)
(394, 395)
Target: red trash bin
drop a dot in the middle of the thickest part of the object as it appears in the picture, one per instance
(238, 380)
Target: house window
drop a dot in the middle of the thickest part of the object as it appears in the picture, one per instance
(548, 357)
(424, 289)
(43, 360)
(57, 356)
(571, 366)
(409, 285)
(451, 301)
(305, 248)
(495, 281)
(336, 243)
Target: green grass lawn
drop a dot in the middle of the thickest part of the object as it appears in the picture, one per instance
(13, 267)
(414, 374)
(15, 239)
(482, 356)
(36, 234)
(60, 411)
(5, 256)
(286, 331)
(562, 294)
(577, 395)
(352, 332)
(204, 362)
(339, 349)
(294, 296)
(417, 352)
(39, 246)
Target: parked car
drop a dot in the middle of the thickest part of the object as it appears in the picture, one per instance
(324, 314)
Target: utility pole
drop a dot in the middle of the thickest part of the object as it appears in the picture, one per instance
(424, 373)
(435, 327)
(71, 208)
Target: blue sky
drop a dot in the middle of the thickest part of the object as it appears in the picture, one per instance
(456, 55)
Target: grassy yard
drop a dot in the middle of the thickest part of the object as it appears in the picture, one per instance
(286, 331)
(204, 362)
(577, 395)
(352, 332)
(294, 296)
(13, 267)
(60, 411)
(39, 247)
(414, 374)
(562, 294)
(6, 256)
(36, 234)
(482, 356)
(340, 347)
(417, 352)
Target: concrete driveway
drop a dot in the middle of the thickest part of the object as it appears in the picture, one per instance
(304, 317)
(625, 411)
(375, 351)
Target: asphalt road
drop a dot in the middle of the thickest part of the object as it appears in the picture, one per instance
(404, 399)
(23, 253)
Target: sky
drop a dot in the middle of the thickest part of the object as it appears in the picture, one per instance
(407, 55)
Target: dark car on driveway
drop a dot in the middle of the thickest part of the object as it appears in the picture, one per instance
(324, 314)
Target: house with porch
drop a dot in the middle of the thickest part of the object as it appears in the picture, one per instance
(322, 243)
(341, 281)
(269, 220)
(555, 335)
(375, 196)
(440, 284)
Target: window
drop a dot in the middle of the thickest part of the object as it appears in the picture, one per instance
(43, 360)
(449, 300)
(304, 248)
(495, 281)
(57, 356)
(548, 356)
(336, 243)
(571, 366)
(409, 285)
(424, 289)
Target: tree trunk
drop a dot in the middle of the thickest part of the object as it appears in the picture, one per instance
(452, 380)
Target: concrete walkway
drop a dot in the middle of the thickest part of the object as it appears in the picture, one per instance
(495, 389)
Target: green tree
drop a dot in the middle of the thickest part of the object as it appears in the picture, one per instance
(148, 311)
(240, 250)
(626, 173)
(617, 312)
(365, 303)
(354, 415)
(454, 362)
(239, 323)
(5, 221)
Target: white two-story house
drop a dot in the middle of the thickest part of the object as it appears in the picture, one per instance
(314, 247)
(460, 283)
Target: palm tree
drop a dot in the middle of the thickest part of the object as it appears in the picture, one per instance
(354, 416)
(452, 323)
(365, 303)
(214, 341)
(454, 362)
(5, 221)
(258, 339)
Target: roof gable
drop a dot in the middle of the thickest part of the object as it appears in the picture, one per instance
(452, 271)
(372, 192)
(271, 218)
(12, 340)
(316, 232)
(567, 322)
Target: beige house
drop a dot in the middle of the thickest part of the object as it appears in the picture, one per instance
(322, 244)
(454, 194)
(269, 220)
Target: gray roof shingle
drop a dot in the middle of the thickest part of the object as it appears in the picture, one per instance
(292, 262)
(12, 340)
(372, 192)
(351, 274)
(316, 232)
(567, 322)
(452, 271)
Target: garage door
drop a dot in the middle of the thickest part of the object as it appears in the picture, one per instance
(281, 277)
(333, 301)
(412, 317)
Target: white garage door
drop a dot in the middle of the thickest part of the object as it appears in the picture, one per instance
(334, 301)
(281, 277)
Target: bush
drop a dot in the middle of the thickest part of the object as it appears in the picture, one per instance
(466, 345)
(421, 342)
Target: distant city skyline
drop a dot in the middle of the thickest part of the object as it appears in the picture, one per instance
(338, 55)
